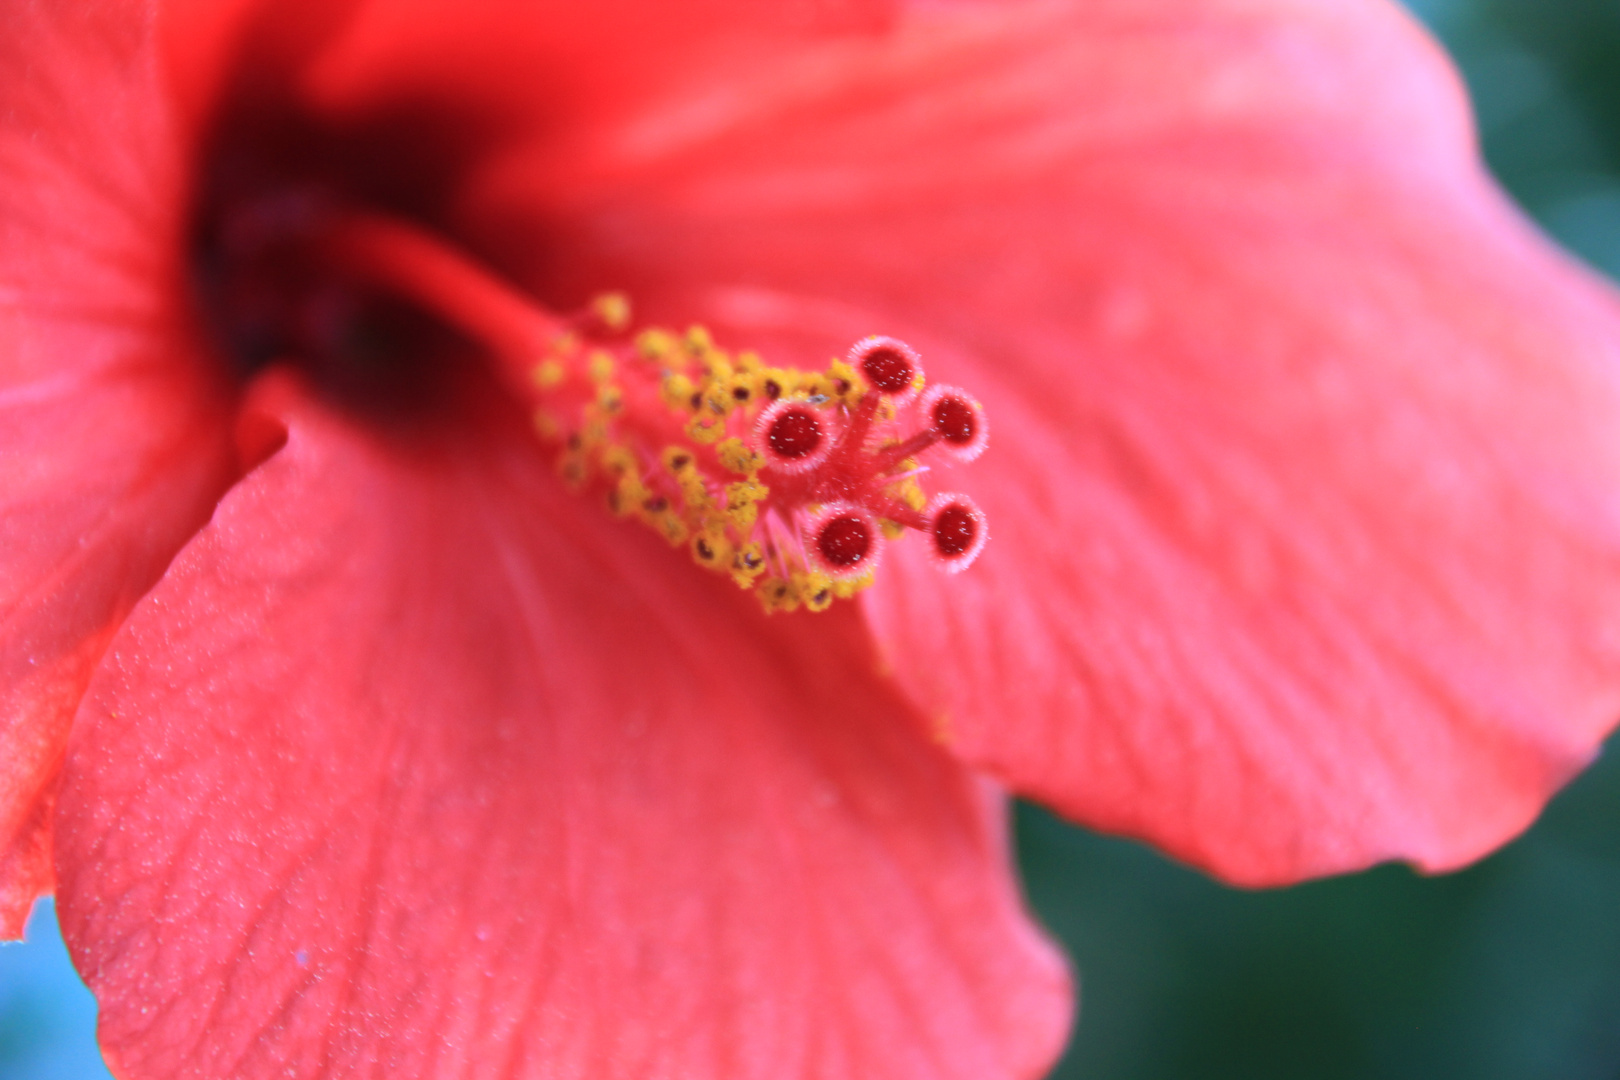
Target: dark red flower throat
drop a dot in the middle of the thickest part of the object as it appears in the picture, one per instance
(271, 180)
(315, 248)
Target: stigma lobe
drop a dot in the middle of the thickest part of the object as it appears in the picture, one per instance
(844, 540)
(790, 434)
(891, 367)
(958, 530)
(957, 420)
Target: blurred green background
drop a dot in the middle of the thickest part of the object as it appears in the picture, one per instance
(1507, 971)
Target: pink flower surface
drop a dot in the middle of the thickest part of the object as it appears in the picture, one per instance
(353, 743)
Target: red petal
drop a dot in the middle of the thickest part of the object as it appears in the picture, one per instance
(414, 762)
(111, 450)
(1304, 540)
(526, 65)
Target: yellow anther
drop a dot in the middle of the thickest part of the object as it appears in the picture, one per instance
(816, 386)
(742, 503)
(848, 386)
(748, 360)
(633, 494)
(908, 490)
(546, 425)
(698, 340)
(815, 589)
(912, 493)
(600, 365)
(677, 459)
(613, 308)
(706, 428)
(677, 391)
(628, 496)
(846, 588)
(743, 387)
(777, 594)
(564, 344)
(712, 550)
(659, 345)
(774, 383)
(618, 460)
(892, 530)
(736, 455)
(593, 434)
(651, 507)
(674, 529)
(742, 491)
(747, 563)
(718, 365)
(610, 399)
(574, 470)
(694, 491)
(715, 396)
(549, 374)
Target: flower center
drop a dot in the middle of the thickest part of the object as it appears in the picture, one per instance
(787, 481)
(790, 482)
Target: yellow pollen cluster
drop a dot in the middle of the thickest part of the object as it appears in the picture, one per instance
(662, 424)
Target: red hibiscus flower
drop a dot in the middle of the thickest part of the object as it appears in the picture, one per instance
(353, 741)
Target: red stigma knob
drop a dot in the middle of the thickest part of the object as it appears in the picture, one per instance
(956, 529)
(892, 367)
(958, 420)
(792, 436)
(844, 540)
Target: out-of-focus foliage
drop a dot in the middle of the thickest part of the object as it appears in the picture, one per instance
(1506, 971)
(1545, 78)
